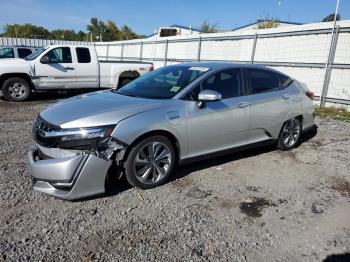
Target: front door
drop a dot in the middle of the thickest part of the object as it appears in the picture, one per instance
(58, 71)
(219, 125)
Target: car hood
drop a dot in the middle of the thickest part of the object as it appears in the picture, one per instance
(96, 109)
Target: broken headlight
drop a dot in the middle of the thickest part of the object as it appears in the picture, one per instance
(76, 138)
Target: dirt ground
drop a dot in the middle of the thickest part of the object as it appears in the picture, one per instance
(256, 205)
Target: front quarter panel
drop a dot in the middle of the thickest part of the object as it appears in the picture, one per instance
(170, 118)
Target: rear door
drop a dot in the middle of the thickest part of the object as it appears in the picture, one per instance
(86, 68)
(59, 71)
(219, 125)
(270, 104)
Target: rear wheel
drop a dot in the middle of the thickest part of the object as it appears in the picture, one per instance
(150, 162)
(16, 89)
(290, 134)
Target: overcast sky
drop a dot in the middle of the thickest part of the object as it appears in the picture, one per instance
(145, 16)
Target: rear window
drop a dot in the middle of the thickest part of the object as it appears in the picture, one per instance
(23, 52)
(83, 55)
(7, 53)
(285, 81)
(262, 81)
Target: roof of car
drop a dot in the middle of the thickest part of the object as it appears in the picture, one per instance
(220, 64)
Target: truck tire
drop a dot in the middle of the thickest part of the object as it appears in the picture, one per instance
(16, 89)
(124, 81)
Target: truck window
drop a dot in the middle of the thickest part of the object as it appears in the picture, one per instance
(83, 55)
(60, 55)
(6, 53)
(23, 52)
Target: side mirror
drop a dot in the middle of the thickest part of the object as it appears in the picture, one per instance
(208, 96)
(45, 59)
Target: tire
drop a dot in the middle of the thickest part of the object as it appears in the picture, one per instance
(16, 89)
(124, 82)
(146, 170)
(290, 134)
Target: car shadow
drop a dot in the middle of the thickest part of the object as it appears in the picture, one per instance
(118, 186)
(338, 258)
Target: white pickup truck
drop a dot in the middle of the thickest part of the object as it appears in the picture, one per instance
(64, 67)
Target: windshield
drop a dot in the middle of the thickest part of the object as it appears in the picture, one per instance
(163, 83)
(35, 54)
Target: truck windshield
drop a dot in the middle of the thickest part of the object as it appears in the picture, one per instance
(35, 54)
(163, 83)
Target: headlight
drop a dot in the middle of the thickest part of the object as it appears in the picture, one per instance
(75, 138)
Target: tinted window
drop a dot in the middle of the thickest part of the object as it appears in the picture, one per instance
(262, 81)
(163, 83)
(285, 81)
(83, 55)
(23, 52)
(228, 83)
(6, 53)
(60, 55)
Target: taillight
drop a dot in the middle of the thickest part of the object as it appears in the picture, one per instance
(310, 95)
(151, 68)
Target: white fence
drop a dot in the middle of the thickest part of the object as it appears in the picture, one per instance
(7, 41)
(300, 51)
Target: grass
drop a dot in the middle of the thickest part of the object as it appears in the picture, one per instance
(333, 112)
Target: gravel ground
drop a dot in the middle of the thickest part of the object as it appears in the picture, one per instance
(257, 205)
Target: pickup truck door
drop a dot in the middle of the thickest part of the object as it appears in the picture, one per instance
(56, 69)
(86, 68)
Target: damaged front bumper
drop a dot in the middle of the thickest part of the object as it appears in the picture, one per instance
(67, 175)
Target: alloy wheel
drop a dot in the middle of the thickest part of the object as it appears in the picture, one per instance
(152, 162)
(291, 132)
(17, 90)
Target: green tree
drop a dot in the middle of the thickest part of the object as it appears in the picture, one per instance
(330, 18)
(112, 31)
(97, 28)
(60, 34)
(272, 23)
(206, 27)
(25, 31)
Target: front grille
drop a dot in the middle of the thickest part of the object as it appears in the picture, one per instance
(41, 126)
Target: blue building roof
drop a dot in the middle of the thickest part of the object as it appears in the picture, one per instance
(267, 20)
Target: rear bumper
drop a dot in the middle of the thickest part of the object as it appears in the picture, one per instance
(70, 177)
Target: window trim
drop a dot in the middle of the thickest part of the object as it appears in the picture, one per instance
(243, 84)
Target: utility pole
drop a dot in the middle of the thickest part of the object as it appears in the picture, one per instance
(328, 66)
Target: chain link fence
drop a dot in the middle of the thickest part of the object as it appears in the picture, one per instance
(316, 54)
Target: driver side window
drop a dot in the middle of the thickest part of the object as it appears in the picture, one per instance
(227, 82)
(60, 55)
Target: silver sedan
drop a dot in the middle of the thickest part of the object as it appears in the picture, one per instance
(174, 114)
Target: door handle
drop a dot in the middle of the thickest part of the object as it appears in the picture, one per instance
(69, 68)
(286, 96)
(243, 104)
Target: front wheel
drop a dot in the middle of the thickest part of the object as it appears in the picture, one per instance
(290, 134)
(150, 162)
(16, 89)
